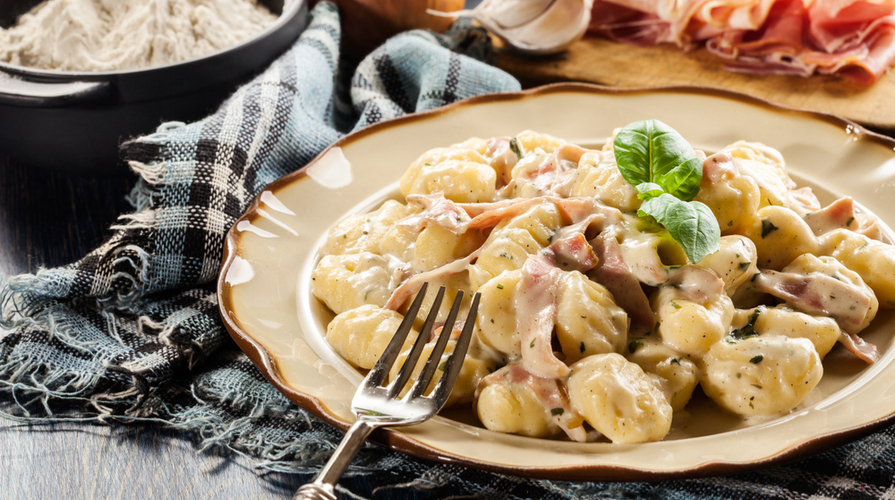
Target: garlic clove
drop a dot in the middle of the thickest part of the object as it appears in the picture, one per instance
(508, 15)
(537, 27)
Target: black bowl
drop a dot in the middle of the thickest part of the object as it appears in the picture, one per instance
(75, 121)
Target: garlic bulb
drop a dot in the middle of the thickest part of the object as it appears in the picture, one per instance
(531, 26)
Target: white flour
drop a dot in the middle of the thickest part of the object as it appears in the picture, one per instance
(109, 35)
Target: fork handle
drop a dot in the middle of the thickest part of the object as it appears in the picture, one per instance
(323, 488)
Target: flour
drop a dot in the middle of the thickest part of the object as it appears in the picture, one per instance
(110, 35)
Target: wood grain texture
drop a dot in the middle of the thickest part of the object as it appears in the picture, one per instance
(81, 461)
(49, 218)
(605, 62)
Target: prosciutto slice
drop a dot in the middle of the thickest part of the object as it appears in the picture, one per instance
(615, 274)
(818, 294)
(536, 297)
(852, 38)
(547, 390)
(837, 215)
(865, 351)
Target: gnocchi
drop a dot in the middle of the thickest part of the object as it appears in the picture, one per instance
(594, 324)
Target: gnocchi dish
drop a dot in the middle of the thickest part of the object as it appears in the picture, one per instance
(594, 323)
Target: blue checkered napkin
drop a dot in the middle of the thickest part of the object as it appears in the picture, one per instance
(136, 311)
(131, 333)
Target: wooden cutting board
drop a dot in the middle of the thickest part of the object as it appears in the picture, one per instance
(602, 61)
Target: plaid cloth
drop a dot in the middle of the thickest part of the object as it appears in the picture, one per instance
(131, 332)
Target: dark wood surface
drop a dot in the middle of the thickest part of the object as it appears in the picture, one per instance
(49, 219)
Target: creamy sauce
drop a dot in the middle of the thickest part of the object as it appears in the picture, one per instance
(538, 244)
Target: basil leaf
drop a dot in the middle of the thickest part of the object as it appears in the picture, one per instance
(648, 190)
(690, 223)
(683, 181)
(650, 151)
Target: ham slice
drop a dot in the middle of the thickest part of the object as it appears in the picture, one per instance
(536, 297)
(865, 351)
(851, 38)
(837, 215)
(818, 294)
(613, 273)
(549, 391)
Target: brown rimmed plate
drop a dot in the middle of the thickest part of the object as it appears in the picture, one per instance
(266, 303)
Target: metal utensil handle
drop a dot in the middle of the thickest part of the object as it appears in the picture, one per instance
(323, 488)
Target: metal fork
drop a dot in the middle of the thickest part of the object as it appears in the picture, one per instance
(378, 406)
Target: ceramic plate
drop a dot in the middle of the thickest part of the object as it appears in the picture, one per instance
(267, 306)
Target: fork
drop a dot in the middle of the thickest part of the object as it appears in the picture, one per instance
(378, 406)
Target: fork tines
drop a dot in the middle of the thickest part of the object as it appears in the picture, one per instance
(451, 368)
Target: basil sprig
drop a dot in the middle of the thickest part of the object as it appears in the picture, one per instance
(666, 172)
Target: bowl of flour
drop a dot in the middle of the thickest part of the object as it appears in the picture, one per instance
(78, 77)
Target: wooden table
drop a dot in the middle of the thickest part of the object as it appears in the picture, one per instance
(598, 60)
(50, 219)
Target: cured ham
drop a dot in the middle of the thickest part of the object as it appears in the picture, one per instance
(549, 391)
(820, 295)
(615, 274)
(536, 306)
(851, 38)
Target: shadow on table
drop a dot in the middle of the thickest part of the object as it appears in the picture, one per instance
(50, 218)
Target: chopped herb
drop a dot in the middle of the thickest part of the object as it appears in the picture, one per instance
(676, 361)
(675, 305)
(744, 265)
(767, 227)
(756, 359)
(755, 277)
(634, 345)
(516, 147)
(581, 347)
(499, 286)
(532, 344)
(506, 256)
(442, 366)
(747, 330)
(849, 221)
(557, 411)
(656, 327)
(757, 387)
(428, 164)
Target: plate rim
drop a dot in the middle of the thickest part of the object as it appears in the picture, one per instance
(395, 440)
